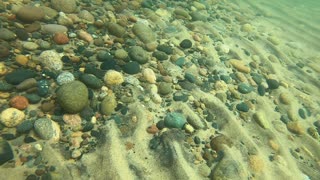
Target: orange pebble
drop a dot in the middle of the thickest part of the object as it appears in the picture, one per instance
(60, 38)
(19, 102)
(152, 129)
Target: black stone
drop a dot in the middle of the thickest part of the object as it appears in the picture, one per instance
(8, 136)
(6, 152)
(104, 56)
(160, 124)
(19, 75)
(197, 140)
(87, 127)
(29, 139)
(179, 96)
(186, 43)
(132, 67)
(272, 83)
(190, 77)
(91, 69)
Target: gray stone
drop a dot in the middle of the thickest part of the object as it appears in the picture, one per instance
(6, 34)
(116, 29)
(67, 6)
(44, 128)
(138, 54)
(144, 33)
(164, 88)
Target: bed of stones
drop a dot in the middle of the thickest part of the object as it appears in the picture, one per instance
(69, 67)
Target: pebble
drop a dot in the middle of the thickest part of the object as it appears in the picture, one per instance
(19, 102)
(31, 46)
(116, 29)
(6, 34)
(259, 117)
(138, 54)
(47, 106)
(246, 28)
(33, 98)
(149, 75)
(76, 153)
(85, 36)
(22, 59)
(152, 129)
(217, 143)
(27, 84)
(6, 153)
(242, 107)
(272, 83)
(11, 117)
(284, 98)
(261, 90)
(91, 81)
(164, 88)
(73, 121)
(30, 14)
(185, 44)
(175, 120)
(51, 60)
(245, 88)
(53, 28)
(60, 38)
(25, 126)
(43, 87)
(113, 78)
(132, 67)
(108, 105)
(295, 127)
(239, 65)
(73, 96)
(44, 128)
(65, 77)
(120, 54)
(4, 86)
(87, 16)
(302, 113)
(144, 33)
(19, 75)
(4, 51)
(160, 56)
(66, 6)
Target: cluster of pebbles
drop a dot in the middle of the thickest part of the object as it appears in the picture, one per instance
(70, 67)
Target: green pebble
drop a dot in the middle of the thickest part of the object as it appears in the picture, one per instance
(4, 86)
(164, 88)
(186, 43)
(190, 77)
(261, 90)
(242, 107)
(131, 67)
(302, 113)
(225, 78)
(159, 55)
(175, 120)
(180, 61)
(179, 96)
(257, 78)
(73, 96)
(108, 105)
(272, 83)
(244, 88)
(138, 54)
(165, 48)
(33, 98)
(91, 81)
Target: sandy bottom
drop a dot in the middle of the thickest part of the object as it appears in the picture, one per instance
(274, 37)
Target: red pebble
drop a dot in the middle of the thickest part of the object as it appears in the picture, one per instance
(60, 38)
(19, 102)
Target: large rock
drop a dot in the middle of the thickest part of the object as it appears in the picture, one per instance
(6, 152)
(67, 6)
(30, 14)
(73, 97)
(11, 117)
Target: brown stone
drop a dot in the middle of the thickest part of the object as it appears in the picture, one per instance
(295, 127)
(152, 129)
(30, 14)
(4, 51)
(22, 59)
(60, 38)
(19, 102)
(218, 142)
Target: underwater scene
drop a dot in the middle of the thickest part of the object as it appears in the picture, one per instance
(159, 90)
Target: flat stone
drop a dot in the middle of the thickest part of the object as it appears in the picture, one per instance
(6, 152)
(239, 65)
(30, 14)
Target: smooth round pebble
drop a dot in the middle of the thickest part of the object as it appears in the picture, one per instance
(132, 67)
(11, 117)
(113, 77)
(19, 102)
(174, 120)
(51, 59)
(65, 77)
(185, 44)
(44, 128)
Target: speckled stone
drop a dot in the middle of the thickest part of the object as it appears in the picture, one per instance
(44, 128)
(11, 117)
